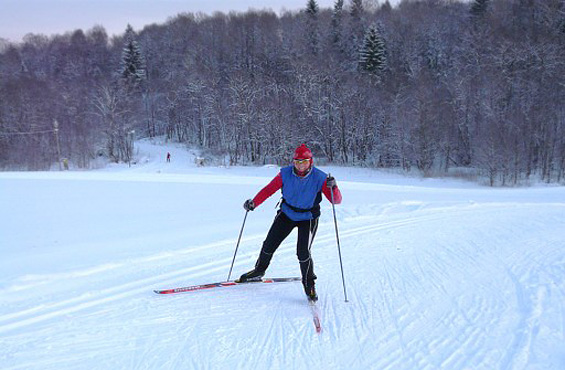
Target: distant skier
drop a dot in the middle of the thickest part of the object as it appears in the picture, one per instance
(302, 186)
(168, 157)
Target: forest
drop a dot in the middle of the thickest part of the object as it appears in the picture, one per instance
(441, 87)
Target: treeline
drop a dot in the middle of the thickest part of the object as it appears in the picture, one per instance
(430, 85)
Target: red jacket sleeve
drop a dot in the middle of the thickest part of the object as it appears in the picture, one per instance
(268, 190)
(327, 192)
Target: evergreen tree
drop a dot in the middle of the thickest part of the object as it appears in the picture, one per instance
(312, 10)
(386, 7)
(357, 9)
(132, 66)
(356, 31)
(372, 58)
(356, 12)
(337, 27)
(479, 7)
(127, 98)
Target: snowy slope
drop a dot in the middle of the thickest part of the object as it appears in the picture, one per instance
(439, 274)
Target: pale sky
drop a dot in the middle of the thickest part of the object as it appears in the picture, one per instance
(20, 17)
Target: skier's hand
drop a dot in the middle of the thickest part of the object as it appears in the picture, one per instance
(330, 182)
(249, 205)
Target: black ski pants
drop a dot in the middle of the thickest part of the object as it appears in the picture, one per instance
(282, 226)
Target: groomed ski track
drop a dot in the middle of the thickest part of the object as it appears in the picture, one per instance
(437, 278)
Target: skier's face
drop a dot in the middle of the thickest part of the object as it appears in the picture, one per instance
(301, 165)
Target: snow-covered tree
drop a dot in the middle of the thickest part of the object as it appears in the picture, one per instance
(132, 66)
(479, 7)
(312, 10)
(372, 57)
(356, 12)
(357, 9)
(337, 26)
(355, 31)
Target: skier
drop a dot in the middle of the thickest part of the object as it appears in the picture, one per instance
(302, 186)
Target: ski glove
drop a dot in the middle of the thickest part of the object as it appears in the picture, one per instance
(330, 182)
(249, 205)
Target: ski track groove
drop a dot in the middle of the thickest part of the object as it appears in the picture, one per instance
(268, 339)
(530, 304)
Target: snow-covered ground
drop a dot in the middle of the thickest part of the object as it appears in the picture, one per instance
(439, 274)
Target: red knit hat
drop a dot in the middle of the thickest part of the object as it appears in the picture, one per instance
(302, 152)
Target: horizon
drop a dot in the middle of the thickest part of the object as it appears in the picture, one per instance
(62, 16)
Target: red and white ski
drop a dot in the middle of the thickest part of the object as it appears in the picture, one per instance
(315, 316)
(223, 284)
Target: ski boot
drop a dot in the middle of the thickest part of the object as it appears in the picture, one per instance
(251, 276)
(310, 290)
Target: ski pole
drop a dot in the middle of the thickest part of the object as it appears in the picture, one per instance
(338, 246)
(237, 245)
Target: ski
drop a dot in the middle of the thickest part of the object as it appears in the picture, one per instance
(223, 284)
(315, 315)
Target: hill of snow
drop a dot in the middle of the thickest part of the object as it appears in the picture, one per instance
(439, 274)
